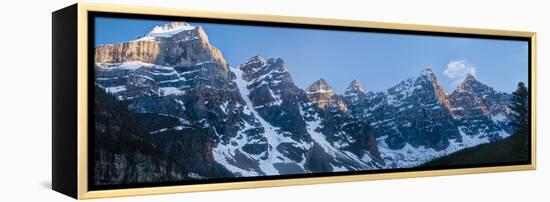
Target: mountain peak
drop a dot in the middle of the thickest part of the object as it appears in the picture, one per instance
(428, 76)
(469, 81)
(354, 87)
(264, 60)
(321, 82)
(260, 67)
(470, 77)
(256, 59)
(427, 71)
(354, 91)
(170, 29)
(323, 95)
(471, 84)
(320, 86)
(259, 62)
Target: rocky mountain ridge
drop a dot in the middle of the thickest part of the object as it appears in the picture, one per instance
(252, 120)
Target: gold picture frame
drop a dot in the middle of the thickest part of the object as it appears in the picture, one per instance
(78, 187)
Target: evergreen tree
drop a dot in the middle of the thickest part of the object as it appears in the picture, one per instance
(520, 109)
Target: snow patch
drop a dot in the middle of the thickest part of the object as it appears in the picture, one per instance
(500, 117)
(170, 91)
(170, 29)
(116, 89)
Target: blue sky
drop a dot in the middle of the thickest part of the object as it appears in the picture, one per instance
(377, 60)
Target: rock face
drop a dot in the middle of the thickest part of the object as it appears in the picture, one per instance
(274, 94)
(248, 119)
(114, 126)
(415, 119)
(197, 118)
(354, 92)
(338, 132)
(187, 47)
(146, 51)
(354, 98)
(415, 111)
(323, 96)
(293, 141)
(179, 103)
(481, 111)
(126, 153)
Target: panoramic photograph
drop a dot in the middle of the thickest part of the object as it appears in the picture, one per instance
(181, 101)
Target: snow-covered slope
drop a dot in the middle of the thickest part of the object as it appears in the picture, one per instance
(270, 160)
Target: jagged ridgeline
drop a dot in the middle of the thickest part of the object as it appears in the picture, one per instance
(171, 101)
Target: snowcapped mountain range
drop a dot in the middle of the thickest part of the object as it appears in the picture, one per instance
(211, 119)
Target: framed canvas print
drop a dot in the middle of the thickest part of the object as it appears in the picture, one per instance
(153, 100)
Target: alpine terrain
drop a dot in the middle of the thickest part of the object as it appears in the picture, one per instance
(169, 107)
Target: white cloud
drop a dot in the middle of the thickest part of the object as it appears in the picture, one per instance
(457, 70)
